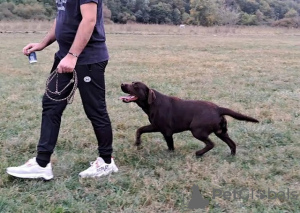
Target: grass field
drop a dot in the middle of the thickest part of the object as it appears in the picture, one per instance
(251, 70)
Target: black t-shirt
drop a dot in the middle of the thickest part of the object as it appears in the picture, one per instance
(67, 21)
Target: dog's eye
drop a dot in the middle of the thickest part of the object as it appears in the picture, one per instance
(134, 84)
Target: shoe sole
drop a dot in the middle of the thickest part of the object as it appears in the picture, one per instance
(31, 176)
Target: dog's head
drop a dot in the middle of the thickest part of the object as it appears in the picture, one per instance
(139, 93)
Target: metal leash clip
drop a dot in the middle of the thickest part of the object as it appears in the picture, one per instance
(70, 97)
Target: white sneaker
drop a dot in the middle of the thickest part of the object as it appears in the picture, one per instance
(99, 168)
(31, 169)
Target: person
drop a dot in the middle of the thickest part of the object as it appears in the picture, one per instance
(79, 31)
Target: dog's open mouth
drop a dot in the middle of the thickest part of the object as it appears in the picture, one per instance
(128, 98)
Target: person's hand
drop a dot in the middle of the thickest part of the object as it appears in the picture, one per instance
(32, 47)
(67, 64)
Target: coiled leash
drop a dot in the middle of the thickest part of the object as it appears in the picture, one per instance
(73, 81)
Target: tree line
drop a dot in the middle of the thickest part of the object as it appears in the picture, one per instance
(190, 12)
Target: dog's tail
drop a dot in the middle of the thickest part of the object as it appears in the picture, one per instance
(236, 115)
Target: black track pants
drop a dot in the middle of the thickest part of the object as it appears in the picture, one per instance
(91, 85)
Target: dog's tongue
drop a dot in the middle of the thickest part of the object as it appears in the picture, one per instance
(128, 98)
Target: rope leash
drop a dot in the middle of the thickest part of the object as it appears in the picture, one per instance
(73, 81)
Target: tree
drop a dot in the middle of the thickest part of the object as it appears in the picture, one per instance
(292, 13)
(228, 16)
(176, 16)
(265, 8)
(280, 8)
(248, 6)
(115, 8)
(186, 18)
(204, 12)
(141, 11)
(161, 13)
(178, 4)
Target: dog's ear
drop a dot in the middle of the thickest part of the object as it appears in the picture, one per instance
(151, 96)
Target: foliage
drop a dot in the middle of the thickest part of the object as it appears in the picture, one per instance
(195, 12)
(248, 19)
(204, 12)
(287, 22)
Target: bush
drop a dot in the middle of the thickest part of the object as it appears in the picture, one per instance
(287, 22)
(30, 11)
(247, 19)
(227, 17)
(106, 12)
(126, 17)
(292, 13)
(10, 11)
(6, 9)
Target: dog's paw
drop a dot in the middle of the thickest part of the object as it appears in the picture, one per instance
(137, 143)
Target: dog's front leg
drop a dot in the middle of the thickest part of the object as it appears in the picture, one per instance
(170, 142)
(144, 129)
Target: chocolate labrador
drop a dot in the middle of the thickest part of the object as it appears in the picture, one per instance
(170, 115)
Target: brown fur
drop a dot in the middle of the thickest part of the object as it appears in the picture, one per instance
(170, 115)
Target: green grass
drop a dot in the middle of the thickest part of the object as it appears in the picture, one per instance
(251, 70)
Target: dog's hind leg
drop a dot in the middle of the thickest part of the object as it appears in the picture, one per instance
(170, 142)
(203, 137)
(144, 129)
(225, 137)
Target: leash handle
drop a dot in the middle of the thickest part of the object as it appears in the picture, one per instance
(70, 97)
